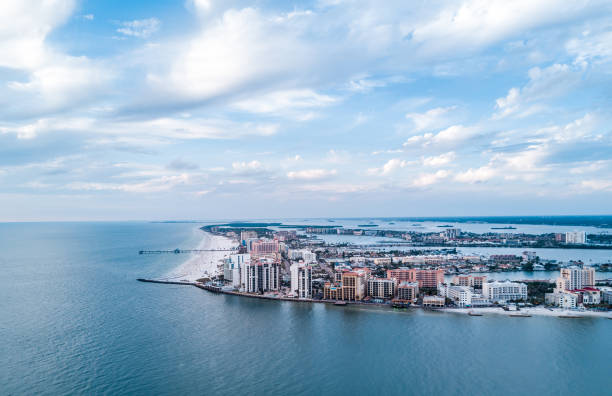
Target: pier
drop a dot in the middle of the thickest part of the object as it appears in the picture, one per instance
(180, 251)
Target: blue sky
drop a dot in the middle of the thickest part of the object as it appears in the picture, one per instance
(204, 109)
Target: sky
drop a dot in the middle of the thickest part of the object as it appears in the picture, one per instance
(209, 109)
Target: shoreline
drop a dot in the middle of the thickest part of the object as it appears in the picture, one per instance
(201, 264)
(484, 311)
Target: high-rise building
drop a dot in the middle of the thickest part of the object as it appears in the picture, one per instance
(301, 280)
(430, 278)
(233, 266)
(381, 287)
(575, 237)
(264, 246)
(261, 275)
(575, 278)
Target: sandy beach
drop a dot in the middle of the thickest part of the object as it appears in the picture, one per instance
(202, 264)
(534, 311)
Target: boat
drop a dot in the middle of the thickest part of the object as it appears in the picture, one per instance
(445, 226)
(340, 303)
(520, 315)
(504, 228)
(571, 316)
(474, 313)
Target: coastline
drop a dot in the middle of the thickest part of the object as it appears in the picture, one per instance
(201, 264)
(484, 311)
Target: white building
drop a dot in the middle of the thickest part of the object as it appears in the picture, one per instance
(575, 237)
(504, 291)
(301, 280)
(575, 278)
(302, 254)
(564, 300)
(232, 267)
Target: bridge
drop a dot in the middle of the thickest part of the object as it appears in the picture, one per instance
(179, 251)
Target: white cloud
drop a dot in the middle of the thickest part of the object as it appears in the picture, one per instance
(142, 28)
(439, 160)
(245, 167)
(543, 83)
(311, 174)
(597, 184)
(473, 24)
(389, 167)
(477, 175)
(427, 179)
(448, 137)
(290, 103)
(431, 119)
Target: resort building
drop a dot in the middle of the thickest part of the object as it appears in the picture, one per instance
(575, 278)
(301, 280)
(402, 274)
(381, 288)
(461, 295)
(427, 278)
(430, 278)
(469, 280)
(504, 291)
(566, 300)
(352, 286)
(261, 275)
(264, 246)
(408, 291)
(232, 267)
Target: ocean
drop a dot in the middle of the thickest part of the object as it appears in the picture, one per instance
(74, 320)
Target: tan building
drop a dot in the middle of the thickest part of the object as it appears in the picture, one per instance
(469, 280)
(408, 291)
(352, 287)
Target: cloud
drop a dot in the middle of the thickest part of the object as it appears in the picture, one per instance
(470, 25)
(439, 160)
(431, 119)
(311, 174)
(247, 167)
(543, 83)
(427, 179)
(389, 167)
(477, 175)
(597, 184)
(290, 103)
(179, 164)
(141, 28)
(450, 136)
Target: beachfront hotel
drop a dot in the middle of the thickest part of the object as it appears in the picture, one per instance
(504, 291)
(575, 278)
(301, 280)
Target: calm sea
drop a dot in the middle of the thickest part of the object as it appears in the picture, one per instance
(73, 320)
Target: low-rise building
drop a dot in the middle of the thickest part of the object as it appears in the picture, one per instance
(433, 301)
(566, 300)
(408, 291)
(501, 292)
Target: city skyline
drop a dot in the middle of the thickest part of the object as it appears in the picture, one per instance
(207, 109)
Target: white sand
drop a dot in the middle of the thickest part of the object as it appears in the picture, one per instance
(202, 264)
(535, 311)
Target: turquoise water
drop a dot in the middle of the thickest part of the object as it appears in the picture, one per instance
(73, 320)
